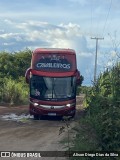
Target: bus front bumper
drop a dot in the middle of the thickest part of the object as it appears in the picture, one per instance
(42, 110)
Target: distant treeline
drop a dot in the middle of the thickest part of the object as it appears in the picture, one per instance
(14, 64)
(13, 89)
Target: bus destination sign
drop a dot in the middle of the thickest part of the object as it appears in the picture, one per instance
(53, 62)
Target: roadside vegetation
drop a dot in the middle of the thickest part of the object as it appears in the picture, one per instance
(13, 88)
(99, 129)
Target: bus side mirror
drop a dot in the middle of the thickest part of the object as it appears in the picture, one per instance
(77, 77)
(27, 75)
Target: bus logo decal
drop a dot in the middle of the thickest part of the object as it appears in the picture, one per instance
(52, 107)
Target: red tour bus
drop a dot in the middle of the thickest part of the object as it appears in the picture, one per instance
(53, 78)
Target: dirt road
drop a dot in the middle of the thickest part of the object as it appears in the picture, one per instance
(19, 132)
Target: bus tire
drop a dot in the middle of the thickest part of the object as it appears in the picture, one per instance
(36, 117)
(73, 116)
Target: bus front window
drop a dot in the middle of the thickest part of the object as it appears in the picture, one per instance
(47, 88)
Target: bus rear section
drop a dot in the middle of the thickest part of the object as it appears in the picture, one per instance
(52, 79)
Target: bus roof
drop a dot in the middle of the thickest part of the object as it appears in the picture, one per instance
(54, 50)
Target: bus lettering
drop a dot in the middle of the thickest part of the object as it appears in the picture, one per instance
(53, 65)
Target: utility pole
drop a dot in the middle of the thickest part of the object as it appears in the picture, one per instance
(95, 68)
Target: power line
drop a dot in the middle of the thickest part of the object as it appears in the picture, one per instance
(95, 68)
(107, 16)
(106, 19)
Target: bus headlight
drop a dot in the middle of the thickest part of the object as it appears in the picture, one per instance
(70, 105)
(36, 104)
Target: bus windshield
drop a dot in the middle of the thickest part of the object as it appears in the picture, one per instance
(52, 88)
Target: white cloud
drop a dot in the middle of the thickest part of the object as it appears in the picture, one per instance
(63, 24)
(17, 36)
(86, 54)
(8, 44)
(8, 21)
(1, 30)
(34, 34)
(63, 35)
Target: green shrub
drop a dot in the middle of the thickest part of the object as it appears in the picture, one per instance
(103, 103)
(14, 91)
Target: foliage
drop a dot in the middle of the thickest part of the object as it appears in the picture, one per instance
(85, 140)
(12, 70)
(81, 80)
(103, 103)
(14, 64)
(83, 89)
(14, 91)
(99, 130)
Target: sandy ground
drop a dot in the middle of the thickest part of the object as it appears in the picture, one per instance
(26, 134)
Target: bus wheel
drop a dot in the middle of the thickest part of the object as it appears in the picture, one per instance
(73, 116)
(36, 117)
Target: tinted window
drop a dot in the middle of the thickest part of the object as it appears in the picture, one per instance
(47, 88)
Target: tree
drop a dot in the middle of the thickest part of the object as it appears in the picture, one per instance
(15, 64)
(81, 80)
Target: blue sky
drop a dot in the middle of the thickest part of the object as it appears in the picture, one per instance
(63, 24)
